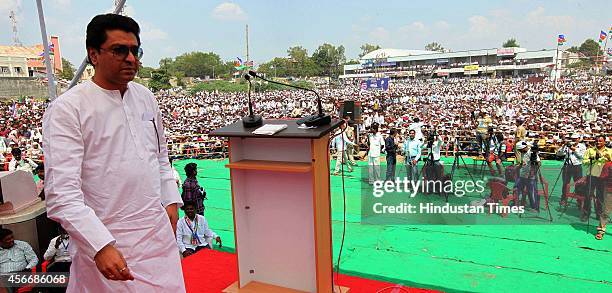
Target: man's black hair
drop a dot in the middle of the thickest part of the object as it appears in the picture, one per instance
(190, 169)
(100, 24)
(392, 131)
(188, 203)
(15, 151)
(5, 232)
(41, 166)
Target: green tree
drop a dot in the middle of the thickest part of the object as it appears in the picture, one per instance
(328, 58)
(160, 80)
(434, 46)
(196, 64)
(145, 72)
(573, 49)
(510, 43)
(590, 48)
(367, 48)
(67, 70)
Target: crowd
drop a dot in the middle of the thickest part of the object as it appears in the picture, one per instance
(449, 106)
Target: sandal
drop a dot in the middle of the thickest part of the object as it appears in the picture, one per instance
(600, 233)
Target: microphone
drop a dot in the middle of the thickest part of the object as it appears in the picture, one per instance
(251, 120)
(313, 120)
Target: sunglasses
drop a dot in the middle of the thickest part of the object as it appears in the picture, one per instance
(121, 51)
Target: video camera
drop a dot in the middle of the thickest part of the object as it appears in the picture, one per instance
(535, 149)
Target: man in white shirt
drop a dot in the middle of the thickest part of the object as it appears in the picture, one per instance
(342, 142)
(193, 232)
(19, 163)
(15, 255)
(416, 126)
(58, 252)
(108, 179)
(572, 168)
(375, 144)
(412, 153)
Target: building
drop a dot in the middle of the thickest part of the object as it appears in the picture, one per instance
(498, 62)
(22, 61)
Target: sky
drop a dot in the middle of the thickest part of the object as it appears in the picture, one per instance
(171, 28)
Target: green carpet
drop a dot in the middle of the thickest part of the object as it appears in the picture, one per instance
(533, 257)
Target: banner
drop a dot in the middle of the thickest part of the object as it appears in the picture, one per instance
(505, 52)
(442, 61)
(471, 68)
(377, 84)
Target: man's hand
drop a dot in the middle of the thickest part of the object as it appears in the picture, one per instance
(414, 162)
(218, 239)
(172, 211)
(112, 265)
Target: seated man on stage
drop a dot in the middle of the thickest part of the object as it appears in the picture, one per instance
(193, 233)
(15, 256)
(58, 253)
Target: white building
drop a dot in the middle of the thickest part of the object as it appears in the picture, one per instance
(496, 62)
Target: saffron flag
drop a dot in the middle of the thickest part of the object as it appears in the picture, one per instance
(561, 40)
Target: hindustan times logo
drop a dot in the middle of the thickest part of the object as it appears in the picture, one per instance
(403, 185)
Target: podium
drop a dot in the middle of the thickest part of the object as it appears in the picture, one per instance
(281, 207)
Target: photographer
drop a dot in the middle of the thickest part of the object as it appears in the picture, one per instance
(572, 168)
(528, 169)
(494, 149)
(192, 191)
(434, 170)
(412, 153)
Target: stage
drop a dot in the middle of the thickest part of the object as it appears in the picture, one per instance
(212, 271)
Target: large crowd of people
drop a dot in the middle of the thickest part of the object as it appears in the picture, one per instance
(551, 111)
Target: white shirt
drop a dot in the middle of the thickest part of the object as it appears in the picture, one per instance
(575, 158)
(59, 254)
(184, 233)
(24, 165)
(412, 148)
(342, 142)
(376, 143)
(106, 175)
(418, 133)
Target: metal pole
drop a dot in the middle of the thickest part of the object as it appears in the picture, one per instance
(556, 62)
(43, 32)
(79, 73)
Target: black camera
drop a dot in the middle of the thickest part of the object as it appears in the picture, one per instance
(535, 149)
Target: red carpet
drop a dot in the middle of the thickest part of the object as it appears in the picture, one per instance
(213, 271)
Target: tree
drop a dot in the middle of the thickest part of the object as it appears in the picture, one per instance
(434, 46)
(328, 58)
(590, 48)
(145, 72)
(159, 80)
(510, 43)
(367, 48)
(67, 70)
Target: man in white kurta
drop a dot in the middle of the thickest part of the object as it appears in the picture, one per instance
(108, 180)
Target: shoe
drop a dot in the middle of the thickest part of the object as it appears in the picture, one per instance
(335, 173)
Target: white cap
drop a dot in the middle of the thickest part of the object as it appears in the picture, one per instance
(521, 145)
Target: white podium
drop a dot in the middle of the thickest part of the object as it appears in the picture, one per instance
(281, 206)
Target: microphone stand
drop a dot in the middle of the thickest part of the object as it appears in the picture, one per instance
(251, 120)
(310, 121)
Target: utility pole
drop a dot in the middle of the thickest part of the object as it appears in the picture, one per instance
(16, 41)
(247, 43)
(121, 10)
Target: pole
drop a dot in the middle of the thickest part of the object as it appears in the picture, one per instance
(43, 32)
(247, 43)
(79, 72)
(556, 62)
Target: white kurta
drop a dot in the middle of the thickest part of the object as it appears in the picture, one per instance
(107, 178)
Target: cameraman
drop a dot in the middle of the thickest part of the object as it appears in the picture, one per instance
(595, 158)
(529, 163)
(494, 148)
(412, 151)
(572, 168)
(434, 144)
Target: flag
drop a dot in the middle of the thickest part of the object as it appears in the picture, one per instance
(561, 40)
(610, 52)
(602, 36)
(238, 64)
(51, 50)
(250, 64)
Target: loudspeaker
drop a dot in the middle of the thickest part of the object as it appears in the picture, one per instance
(351, 109)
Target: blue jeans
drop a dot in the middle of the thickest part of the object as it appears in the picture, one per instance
(531, 192)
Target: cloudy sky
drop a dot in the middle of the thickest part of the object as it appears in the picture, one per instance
(170, 28)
